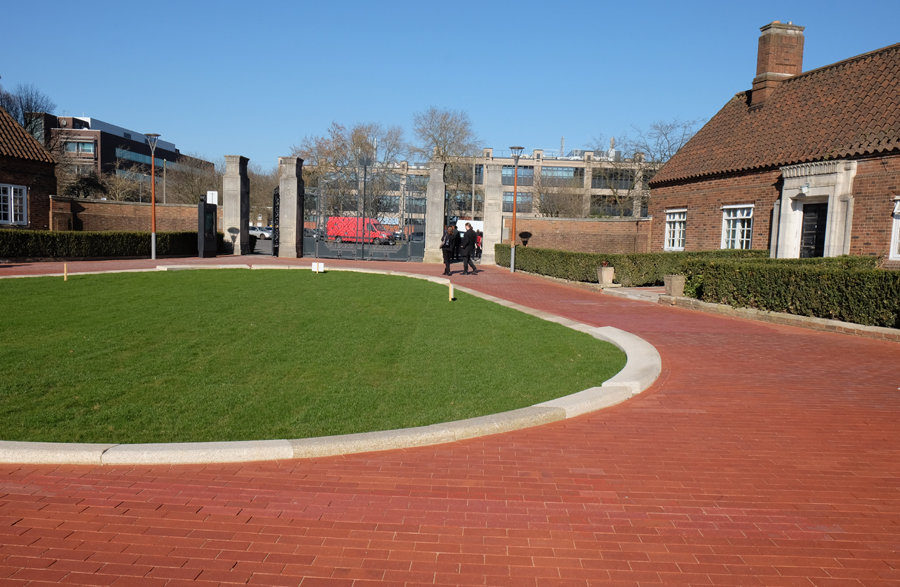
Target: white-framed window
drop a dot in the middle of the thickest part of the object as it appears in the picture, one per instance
(895, 232)
(676, 220)
(737, 226)
(13, 204)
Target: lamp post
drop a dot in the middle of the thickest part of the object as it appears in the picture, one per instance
(365, 160)
(152, 138)
(516, 153)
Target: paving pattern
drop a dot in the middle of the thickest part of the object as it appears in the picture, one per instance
(764, 455)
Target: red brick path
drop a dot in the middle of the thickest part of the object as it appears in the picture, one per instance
(763, 455)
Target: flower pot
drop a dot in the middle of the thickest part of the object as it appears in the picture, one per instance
(605, 275)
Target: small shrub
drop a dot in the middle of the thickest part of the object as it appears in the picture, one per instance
(47, 244)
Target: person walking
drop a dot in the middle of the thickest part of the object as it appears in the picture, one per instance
(478, 238)
(467, 249)
(449, 243)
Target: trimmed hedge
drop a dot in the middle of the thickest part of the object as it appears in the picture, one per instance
(637, 269)
(841, 289)
(42, 243)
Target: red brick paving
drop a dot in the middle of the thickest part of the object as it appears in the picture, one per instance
(763, 456)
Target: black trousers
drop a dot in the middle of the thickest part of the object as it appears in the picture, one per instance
(448, 254)
(467, 262)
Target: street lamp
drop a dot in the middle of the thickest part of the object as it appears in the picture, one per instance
(516, 153)
(152, 138)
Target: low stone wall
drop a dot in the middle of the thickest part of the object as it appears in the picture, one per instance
(823, 324)
(583, 235)
(104, 215)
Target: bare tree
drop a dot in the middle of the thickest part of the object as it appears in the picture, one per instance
(661, 140)
(558, 197)
(24, 101)
(121, 183)
(445, 135)
(262, 182)
(448, 136)
(187, 178)
(336, 162)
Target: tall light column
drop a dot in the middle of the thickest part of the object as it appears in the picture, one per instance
(516, 153)
(152, 138)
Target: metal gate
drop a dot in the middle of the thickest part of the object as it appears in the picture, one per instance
(369, 214)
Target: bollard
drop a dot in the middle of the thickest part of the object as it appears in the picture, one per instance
(451, 292)
(65, 272)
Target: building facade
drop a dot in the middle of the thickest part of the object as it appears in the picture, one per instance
(803, 164)
(27, 178)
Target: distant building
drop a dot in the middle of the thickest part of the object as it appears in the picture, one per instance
(27, 178)
(88, 145)
(804, 164)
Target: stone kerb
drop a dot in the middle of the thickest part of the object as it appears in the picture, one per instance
(642, 368)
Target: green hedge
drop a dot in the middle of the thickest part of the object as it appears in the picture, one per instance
(637, 269)
(43, 244)
(840, 289)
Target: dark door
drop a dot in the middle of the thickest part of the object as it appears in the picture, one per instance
(812, 237)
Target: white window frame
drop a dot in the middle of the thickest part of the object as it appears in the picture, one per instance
(727, 231)
(895, 232)
(676, 226)
(13, 205)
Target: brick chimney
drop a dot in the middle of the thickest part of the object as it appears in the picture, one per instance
(780, 56)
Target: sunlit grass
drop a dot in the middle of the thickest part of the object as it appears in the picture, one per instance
(239, 354)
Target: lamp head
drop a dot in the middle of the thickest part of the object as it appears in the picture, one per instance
(516, 153)
(152, 138)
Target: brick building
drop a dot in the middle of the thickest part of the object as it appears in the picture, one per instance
(803, 164)
(27, 178)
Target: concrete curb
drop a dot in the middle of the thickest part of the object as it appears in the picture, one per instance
(641, 370)
(821, 324)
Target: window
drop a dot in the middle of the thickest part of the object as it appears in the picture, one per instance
(737, 227)
(895, 233)
(479, 174)
(612, 179)
(562, 176)
(79, 146)
(676, 220)
(13, 204)
(526, 175)
(523, 202)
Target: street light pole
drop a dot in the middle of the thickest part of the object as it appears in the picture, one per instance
(152, 138)
(516, 153)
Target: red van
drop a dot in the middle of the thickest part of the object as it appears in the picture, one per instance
(347, 229)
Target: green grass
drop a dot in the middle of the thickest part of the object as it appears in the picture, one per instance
(240, 355)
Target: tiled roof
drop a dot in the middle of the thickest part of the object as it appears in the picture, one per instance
(16, 142)
(846, 109)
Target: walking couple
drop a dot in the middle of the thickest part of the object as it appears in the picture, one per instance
(451, 244)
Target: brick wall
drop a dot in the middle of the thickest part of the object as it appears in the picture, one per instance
(877, 181)
(704, 201)
(102, 215)
(587, 235)
(40, 180)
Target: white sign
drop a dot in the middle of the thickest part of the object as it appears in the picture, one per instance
(212, 198)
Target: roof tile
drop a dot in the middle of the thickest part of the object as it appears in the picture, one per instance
(848, 108)
(16, 142)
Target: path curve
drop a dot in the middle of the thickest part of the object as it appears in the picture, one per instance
(641, 370)
(764, 455)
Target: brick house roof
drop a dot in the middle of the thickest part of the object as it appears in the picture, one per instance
(16, 142)
(850, 108)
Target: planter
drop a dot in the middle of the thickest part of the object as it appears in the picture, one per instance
(605, 275)
(674, 285)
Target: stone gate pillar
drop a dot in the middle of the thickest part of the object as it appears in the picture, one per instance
(493, 212)
(290, 220)
(236, 205)
(434, 213)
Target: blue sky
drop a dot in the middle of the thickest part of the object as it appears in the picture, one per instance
(253, 78)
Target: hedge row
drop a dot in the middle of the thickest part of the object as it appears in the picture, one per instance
(39, 243)
(825, 290)
(637, 269)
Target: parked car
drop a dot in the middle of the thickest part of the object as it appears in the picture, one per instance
(260, 233)
(417, 237)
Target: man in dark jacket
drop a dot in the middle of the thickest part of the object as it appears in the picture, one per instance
(467, 249)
